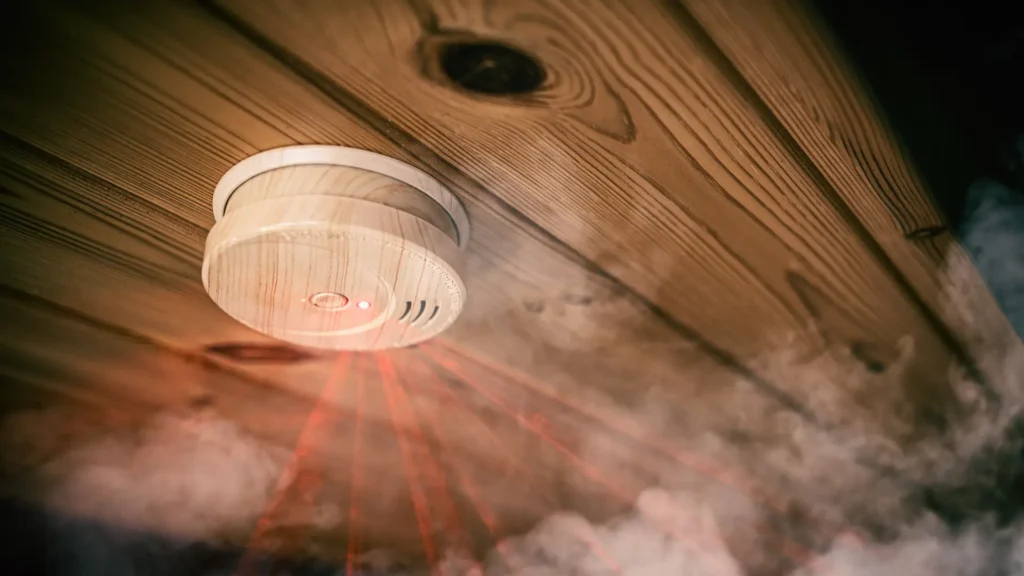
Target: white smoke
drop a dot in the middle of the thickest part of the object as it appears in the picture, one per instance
(127, 503)
(665, 534)
(186, 478)
(929, 548)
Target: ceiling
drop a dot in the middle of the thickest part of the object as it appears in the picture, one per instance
(700, 259)
(942, 71)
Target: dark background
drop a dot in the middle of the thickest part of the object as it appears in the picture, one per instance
(947, 73)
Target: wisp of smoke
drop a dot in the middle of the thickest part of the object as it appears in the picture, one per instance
(135, 503)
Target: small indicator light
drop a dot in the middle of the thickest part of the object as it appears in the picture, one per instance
(329, 300)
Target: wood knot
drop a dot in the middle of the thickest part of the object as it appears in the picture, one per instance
(578, 299)
(926, 233)
(534, 306)
(490, 67)
(482, 66)
(870, 356)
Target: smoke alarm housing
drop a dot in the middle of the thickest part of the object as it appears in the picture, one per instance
(336, 248)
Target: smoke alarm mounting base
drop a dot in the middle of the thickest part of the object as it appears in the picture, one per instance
(336, 248)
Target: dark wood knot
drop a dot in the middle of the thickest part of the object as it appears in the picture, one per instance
(201, 401)
(578, 299)
(490, 67)
(926, 233)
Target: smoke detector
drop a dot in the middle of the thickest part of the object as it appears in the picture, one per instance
(336, 248)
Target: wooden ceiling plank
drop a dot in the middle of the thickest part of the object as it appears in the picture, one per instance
(798, 72)
(118, 361)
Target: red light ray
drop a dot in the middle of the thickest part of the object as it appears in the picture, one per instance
(485, 514)
(354, 543)
(419, 498)
(592, 542)
(458, 536)
(307, 437)
(594, 474)
(589, 470)
(688, 460)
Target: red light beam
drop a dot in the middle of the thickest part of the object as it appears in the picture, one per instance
(311, 428)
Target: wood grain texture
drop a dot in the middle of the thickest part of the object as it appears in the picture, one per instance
(662, 284)
(795, 69)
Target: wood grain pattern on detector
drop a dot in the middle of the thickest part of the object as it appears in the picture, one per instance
(292, 235)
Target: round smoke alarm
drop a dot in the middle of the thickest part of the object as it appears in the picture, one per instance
(336, 248)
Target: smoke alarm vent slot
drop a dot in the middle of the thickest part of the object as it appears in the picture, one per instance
(405, 314)
(433, 314)
(423, 307)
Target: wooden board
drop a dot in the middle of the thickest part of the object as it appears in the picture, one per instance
(650, 230)
(795, 69)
